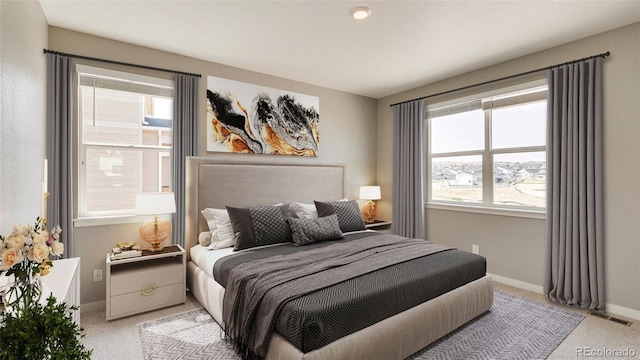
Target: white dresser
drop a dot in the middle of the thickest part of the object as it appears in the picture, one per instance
(64, 283)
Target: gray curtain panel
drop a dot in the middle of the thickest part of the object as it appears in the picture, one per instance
(408, 169)
(59, 146)
(575, 241)
(185, 143)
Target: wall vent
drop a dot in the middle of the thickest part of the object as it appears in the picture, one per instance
(611, 318)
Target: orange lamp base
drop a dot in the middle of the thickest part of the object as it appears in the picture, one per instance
(369, 211)
(155, 232)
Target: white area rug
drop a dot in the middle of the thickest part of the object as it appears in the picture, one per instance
(190, 335)
(514, 328)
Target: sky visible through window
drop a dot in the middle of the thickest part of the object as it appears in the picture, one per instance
(458, 132)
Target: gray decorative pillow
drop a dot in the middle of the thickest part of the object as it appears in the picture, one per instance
(348, 212)
(307, 231)
(260, 225)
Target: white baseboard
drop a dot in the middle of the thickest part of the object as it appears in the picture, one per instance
(517, 283)
(623, 311)
(611, 308)
(93, 307)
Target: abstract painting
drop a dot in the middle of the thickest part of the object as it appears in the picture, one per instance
(252, 119)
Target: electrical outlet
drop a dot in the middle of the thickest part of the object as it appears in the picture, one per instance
(97, 275)
(475, 249)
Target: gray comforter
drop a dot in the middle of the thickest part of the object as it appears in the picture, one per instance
(256, 290)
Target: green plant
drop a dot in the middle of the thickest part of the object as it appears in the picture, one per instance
(41, 332)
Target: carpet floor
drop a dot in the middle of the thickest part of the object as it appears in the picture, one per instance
(514, 328)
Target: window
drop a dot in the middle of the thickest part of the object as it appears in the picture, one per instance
(125, 138)
(489, 150)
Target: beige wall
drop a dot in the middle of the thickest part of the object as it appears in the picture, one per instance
(515, 247)
(347, 131)
(23, 35)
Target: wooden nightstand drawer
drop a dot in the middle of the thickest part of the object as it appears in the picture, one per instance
(135, 280)
(149, 298)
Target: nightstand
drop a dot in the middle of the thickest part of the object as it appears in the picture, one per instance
(148, 282)
(379, 225)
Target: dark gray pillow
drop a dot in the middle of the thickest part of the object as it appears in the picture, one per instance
(307, 231)
(348, 212)
(257, 226)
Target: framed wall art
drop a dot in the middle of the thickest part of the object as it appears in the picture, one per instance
(247, 118)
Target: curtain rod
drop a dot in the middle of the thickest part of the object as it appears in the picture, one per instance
(603, 55)
(118, 63)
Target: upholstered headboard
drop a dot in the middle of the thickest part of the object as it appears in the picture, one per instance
(243, 181)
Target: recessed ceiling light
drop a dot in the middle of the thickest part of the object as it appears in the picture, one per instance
(360, 12)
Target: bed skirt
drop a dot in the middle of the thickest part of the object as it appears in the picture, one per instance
(396, 337)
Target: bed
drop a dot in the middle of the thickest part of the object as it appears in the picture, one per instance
(244, 181)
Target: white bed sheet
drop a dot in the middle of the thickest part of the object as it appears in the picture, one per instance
(205, 258)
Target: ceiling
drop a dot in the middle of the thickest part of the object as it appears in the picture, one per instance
(402, 45)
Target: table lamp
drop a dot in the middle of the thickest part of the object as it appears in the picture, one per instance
(155, 230)
(369, 209)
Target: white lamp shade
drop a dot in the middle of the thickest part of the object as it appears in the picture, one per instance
(155, 203)
(370, 193)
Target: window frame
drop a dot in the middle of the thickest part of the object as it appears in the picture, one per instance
(487, 206)
(83, 217)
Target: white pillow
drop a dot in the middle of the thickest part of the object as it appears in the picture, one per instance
(303, 211)
(220, 227)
